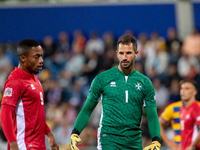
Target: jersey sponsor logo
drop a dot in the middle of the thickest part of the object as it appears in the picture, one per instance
(30, 145)
(198, 118)
(187, 116)
(138, 86)
(113, 84)
(33, 87)
(8, 92)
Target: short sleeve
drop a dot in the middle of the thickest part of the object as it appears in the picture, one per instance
(12, 92)
(167, 113)
(149, 98)
(196, 114)
(95, 89)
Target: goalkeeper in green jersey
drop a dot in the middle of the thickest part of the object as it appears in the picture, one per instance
(124, 92)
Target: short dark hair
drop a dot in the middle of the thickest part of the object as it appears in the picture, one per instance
(127, 39)
(195, 84)
(25, 46)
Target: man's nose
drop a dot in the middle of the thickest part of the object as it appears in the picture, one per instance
(124, 57)
(41, 60)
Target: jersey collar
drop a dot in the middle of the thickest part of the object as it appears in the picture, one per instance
(123, 73)
(24, 73)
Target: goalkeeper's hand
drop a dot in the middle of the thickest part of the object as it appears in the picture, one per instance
(75, 139)
(155, 145)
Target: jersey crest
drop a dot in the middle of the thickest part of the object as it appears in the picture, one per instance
(8, 92)
(138, 86)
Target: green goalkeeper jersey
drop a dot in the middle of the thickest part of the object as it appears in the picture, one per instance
(122, 98)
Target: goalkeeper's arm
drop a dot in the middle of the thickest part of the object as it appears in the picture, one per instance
(154, 128)
(81, 122)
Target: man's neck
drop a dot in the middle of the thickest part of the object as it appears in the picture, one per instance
(22, 68)
(126, 71)
(189, 102)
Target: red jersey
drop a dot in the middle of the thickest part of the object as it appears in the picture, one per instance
(24, 91)
(190, 119)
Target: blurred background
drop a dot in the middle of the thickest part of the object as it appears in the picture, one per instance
(79, 41)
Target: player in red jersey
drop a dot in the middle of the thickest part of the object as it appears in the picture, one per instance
(22, 111)
(190, 116)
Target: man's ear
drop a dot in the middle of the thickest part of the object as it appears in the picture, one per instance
(22, 58)
(136, 54)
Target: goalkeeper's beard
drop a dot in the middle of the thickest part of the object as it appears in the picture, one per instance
(128, 66)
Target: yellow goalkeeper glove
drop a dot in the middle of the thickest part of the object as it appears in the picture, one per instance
(75, 139)
(155, 145)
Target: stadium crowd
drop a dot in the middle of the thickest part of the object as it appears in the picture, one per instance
(71, 62)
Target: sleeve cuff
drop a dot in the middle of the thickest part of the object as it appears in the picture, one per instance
(156, 139)
(47, 129)
(75, 131)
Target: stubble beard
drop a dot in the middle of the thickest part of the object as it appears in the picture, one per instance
(127, 67)
(35, 72)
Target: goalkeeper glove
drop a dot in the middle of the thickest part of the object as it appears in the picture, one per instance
(75, 139)
(155, 145)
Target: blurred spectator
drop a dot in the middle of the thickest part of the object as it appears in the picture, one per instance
(54, 95)
(4, 60)
(63, 42)
(174, 55)
(188, 66)
(129, 32)
(174, 91)
(88, 136)
(94, 44)
(156, 42)
(162, 95)
(139, 67)
(63, 133)
(109, 59)
(70, 113)
(65, 84)
(152, 74)
(143, 48)
(48, 46)
(73, 68)
(158, 60)
(173, 45)
(50, 55)
(191, 44)
(172, 40)
(51, 64)
(171, 74)
(5, 67)
(109, 41)
(79, 40)
(92, 65)
(11, 52)
(62, 54)
(53, 116)
(77, 97)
